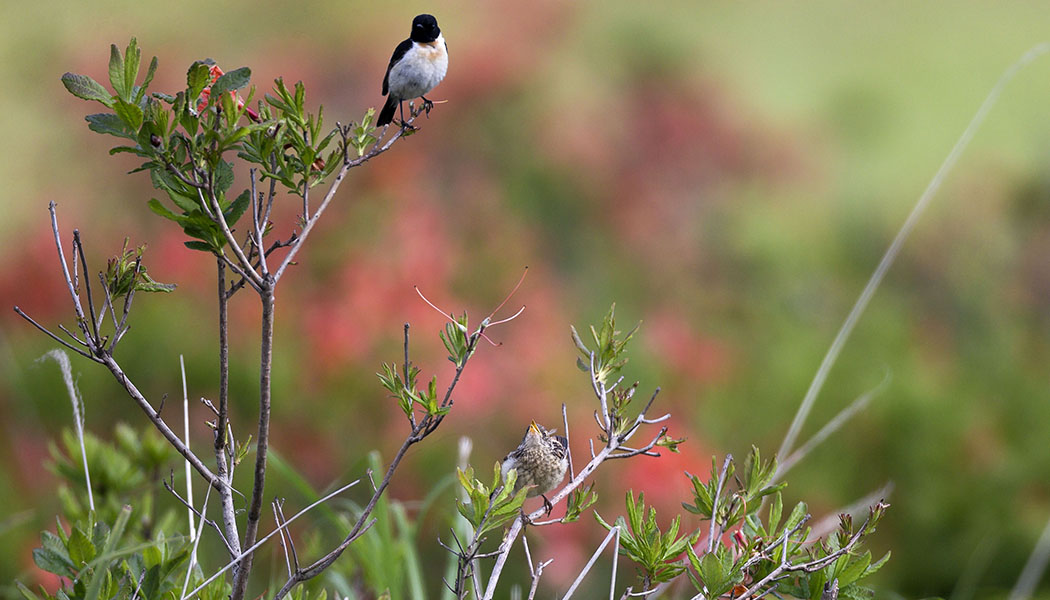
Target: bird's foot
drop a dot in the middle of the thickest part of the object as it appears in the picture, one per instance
(547, 506)
(406, 125)
(427, 106)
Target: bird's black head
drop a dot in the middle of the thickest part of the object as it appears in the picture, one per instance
(425, 29)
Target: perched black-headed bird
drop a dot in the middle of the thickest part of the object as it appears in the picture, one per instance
(541, 460)
(418, 64)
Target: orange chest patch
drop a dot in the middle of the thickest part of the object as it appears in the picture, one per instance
(432, 51)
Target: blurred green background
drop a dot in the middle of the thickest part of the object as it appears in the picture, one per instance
(727, 173)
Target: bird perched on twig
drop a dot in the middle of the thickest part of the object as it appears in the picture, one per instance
(418, 64)
(541, 460)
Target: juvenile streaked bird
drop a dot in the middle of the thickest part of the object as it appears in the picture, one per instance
(418, 64)
(541, 460)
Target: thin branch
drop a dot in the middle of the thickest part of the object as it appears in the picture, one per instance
(78, 249)
(279, 506)
(159, 423)
(171, 488)
(712, 536)
(284, 544)
(55, 337)
(123, 327)
(237, 559)
(65, 272)
(568, 440)
(311, 220)
(831, 521)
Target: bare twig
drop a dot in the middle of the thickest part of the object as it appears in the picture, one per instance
(535, 571)
(237, 559)
(279, 507)
(568, 440)
(311, 220)
(712, 536)
(77, 307)
(171, 489)
(55, 337)
(78, 249)
(159, 423)
(830, 522)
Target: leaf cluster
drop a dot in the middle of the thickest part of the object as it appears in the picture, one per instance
(186, 139)
(125, 272)
(101, 561)
(405, 391)
(734, 502)
(609, 344)
(457, 341)
(120, 471)
(489, 507)
(772, 550)
(655, 552)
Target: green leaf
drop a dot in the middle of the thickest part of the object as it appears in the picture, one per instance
(223, 176)
(237, 208)
(81, 550)
(132, 59)
(228, 82)
(109, 123)
(26, 592)
(854, 569)
(150, 72)
(776, 509)
(108, 549)
(53, 562)
(197, 78)
(116, 72)
(878, 565)
(129, 113)
(163, 211)
(86, 88)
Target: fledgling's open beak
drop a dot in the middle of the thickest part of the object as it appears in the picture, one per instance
(535, 429)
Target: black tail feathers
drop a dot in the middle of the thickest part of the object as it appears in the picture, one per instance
(387, 114)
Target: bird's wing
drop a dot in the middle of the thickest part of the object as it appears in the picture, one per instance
(399, 52)
(562, 446)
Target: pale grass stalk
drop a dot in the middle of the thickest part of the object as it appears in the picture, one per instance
(186, 440)
(62, 359)
(195, 538)
(898, 242)
(613, 533)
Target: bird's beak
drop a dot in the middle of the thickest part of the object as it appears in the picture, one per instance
(535, 429)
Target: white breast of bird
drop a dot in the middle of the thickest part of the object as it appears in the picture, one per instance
(422, 68)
